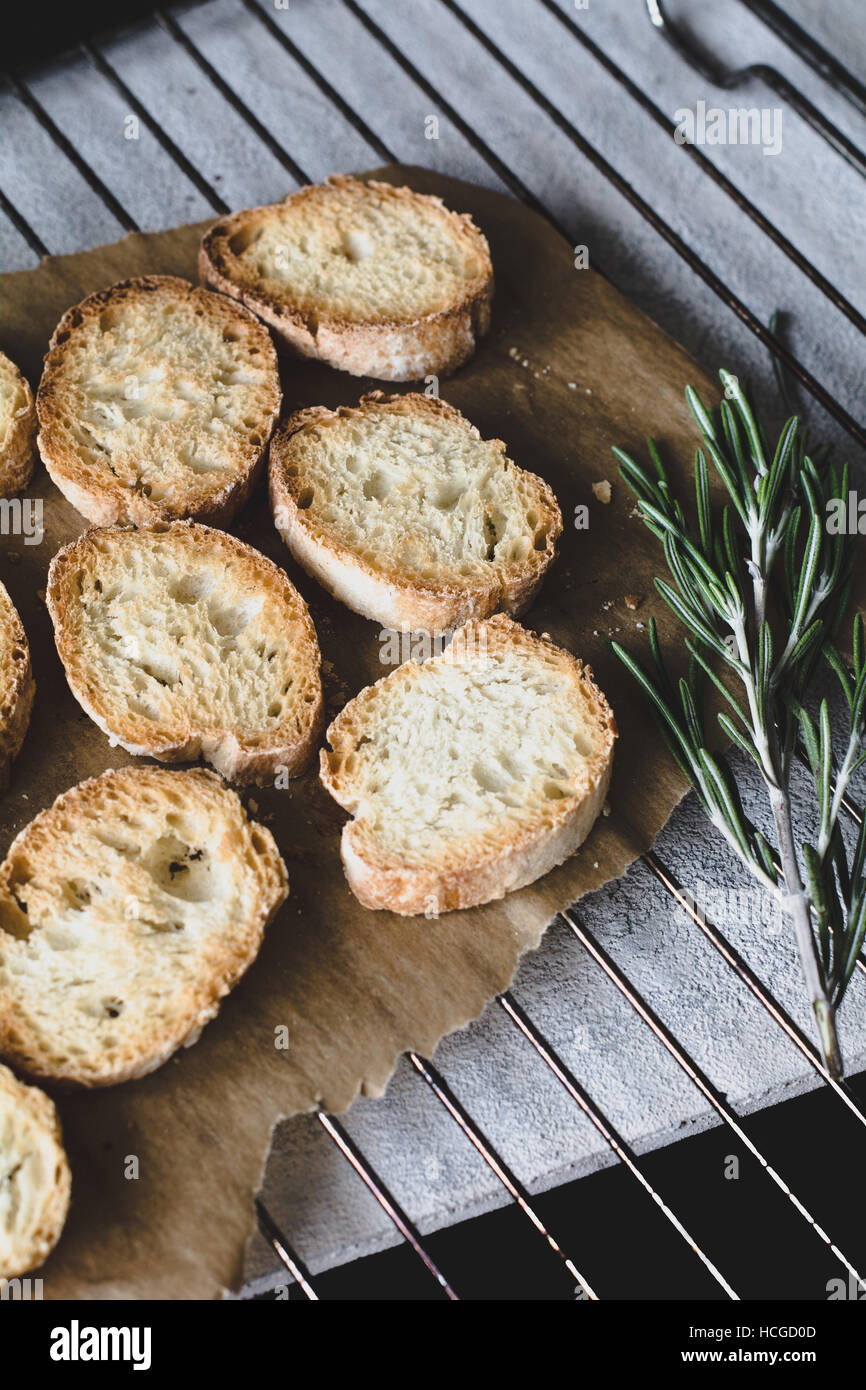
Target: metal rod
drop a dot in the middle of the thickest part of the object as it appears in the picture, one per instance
(695, 1075)
(728, 79)
(102, 65)
(115, 207)
(744, 972)
(347, 111)
(510, 179)
(497, 1165)
(23, 226)
(712, 171)
(810, 51)
(171, 26)
(293, 1262)
(694, 261)
(389, 1205)
(614, 1141)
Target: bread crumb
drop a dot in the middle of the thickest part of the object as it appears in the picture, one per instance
(572, 385)
(605, 810)
(633, 600)
(601, 491)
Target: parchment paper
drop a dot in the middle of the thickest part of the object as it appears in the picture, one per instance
(569, 369)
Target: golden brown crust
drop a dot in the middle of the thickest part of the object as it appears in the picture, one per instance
(383, 590)
(17, 686)
(92, 989)
(473, 870)
(97, 490)
(18, 427)
(244, 755)
(34, 1172)
(391, 348)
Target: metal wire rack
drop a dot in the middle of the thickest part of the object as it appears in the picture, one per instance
(843, 82)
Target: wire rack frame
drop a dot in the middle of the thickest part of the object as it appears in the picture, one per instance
(841, 80)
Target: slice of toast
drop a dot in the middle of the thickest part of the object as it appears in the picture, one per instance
(17, 429)
(375, 280)
(182, 642)
(17, 686)
(157, 401)
(404, 513)
(34, 1177)
(128, 910)
(471, 774)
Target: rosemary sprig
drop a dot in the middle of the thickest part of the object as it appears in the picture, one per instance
(761, 586)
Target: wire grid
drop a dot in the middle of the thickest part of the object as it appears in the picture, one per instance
(843, 82)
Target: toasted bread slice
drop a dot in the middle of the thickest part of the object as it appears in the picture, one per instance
(182, 642)
(17, 429)
(375, 280)
(404, 513)
(157, 401)
(34, 1177)
(17, 686)
(128, 910)
(471, 774)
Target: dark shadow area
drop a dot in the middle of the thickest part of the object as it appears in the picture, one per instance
(627, 1249)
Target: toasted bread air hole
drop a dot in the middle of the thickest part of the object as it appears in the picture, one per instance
(77, 895)
(13, 908)
(242, 240)
(491, 535)
(379, 486)
(356, 246)
(553, 791)
(163, 671)
(449, 495)
(144, 709)
(191, 588)
(230, 620)
(305, 499)
(181, 869)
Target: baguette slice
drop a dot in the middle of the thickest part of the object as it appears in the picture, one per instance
(375, 280)
(182, 642)
(157, 401)
(404, 513)
(17, 686)
(17, 429)
(128, 910)
(471, 774)
(34, 1177)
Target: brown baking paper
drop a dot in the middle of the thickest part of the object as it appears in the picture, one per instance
(569, 369)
